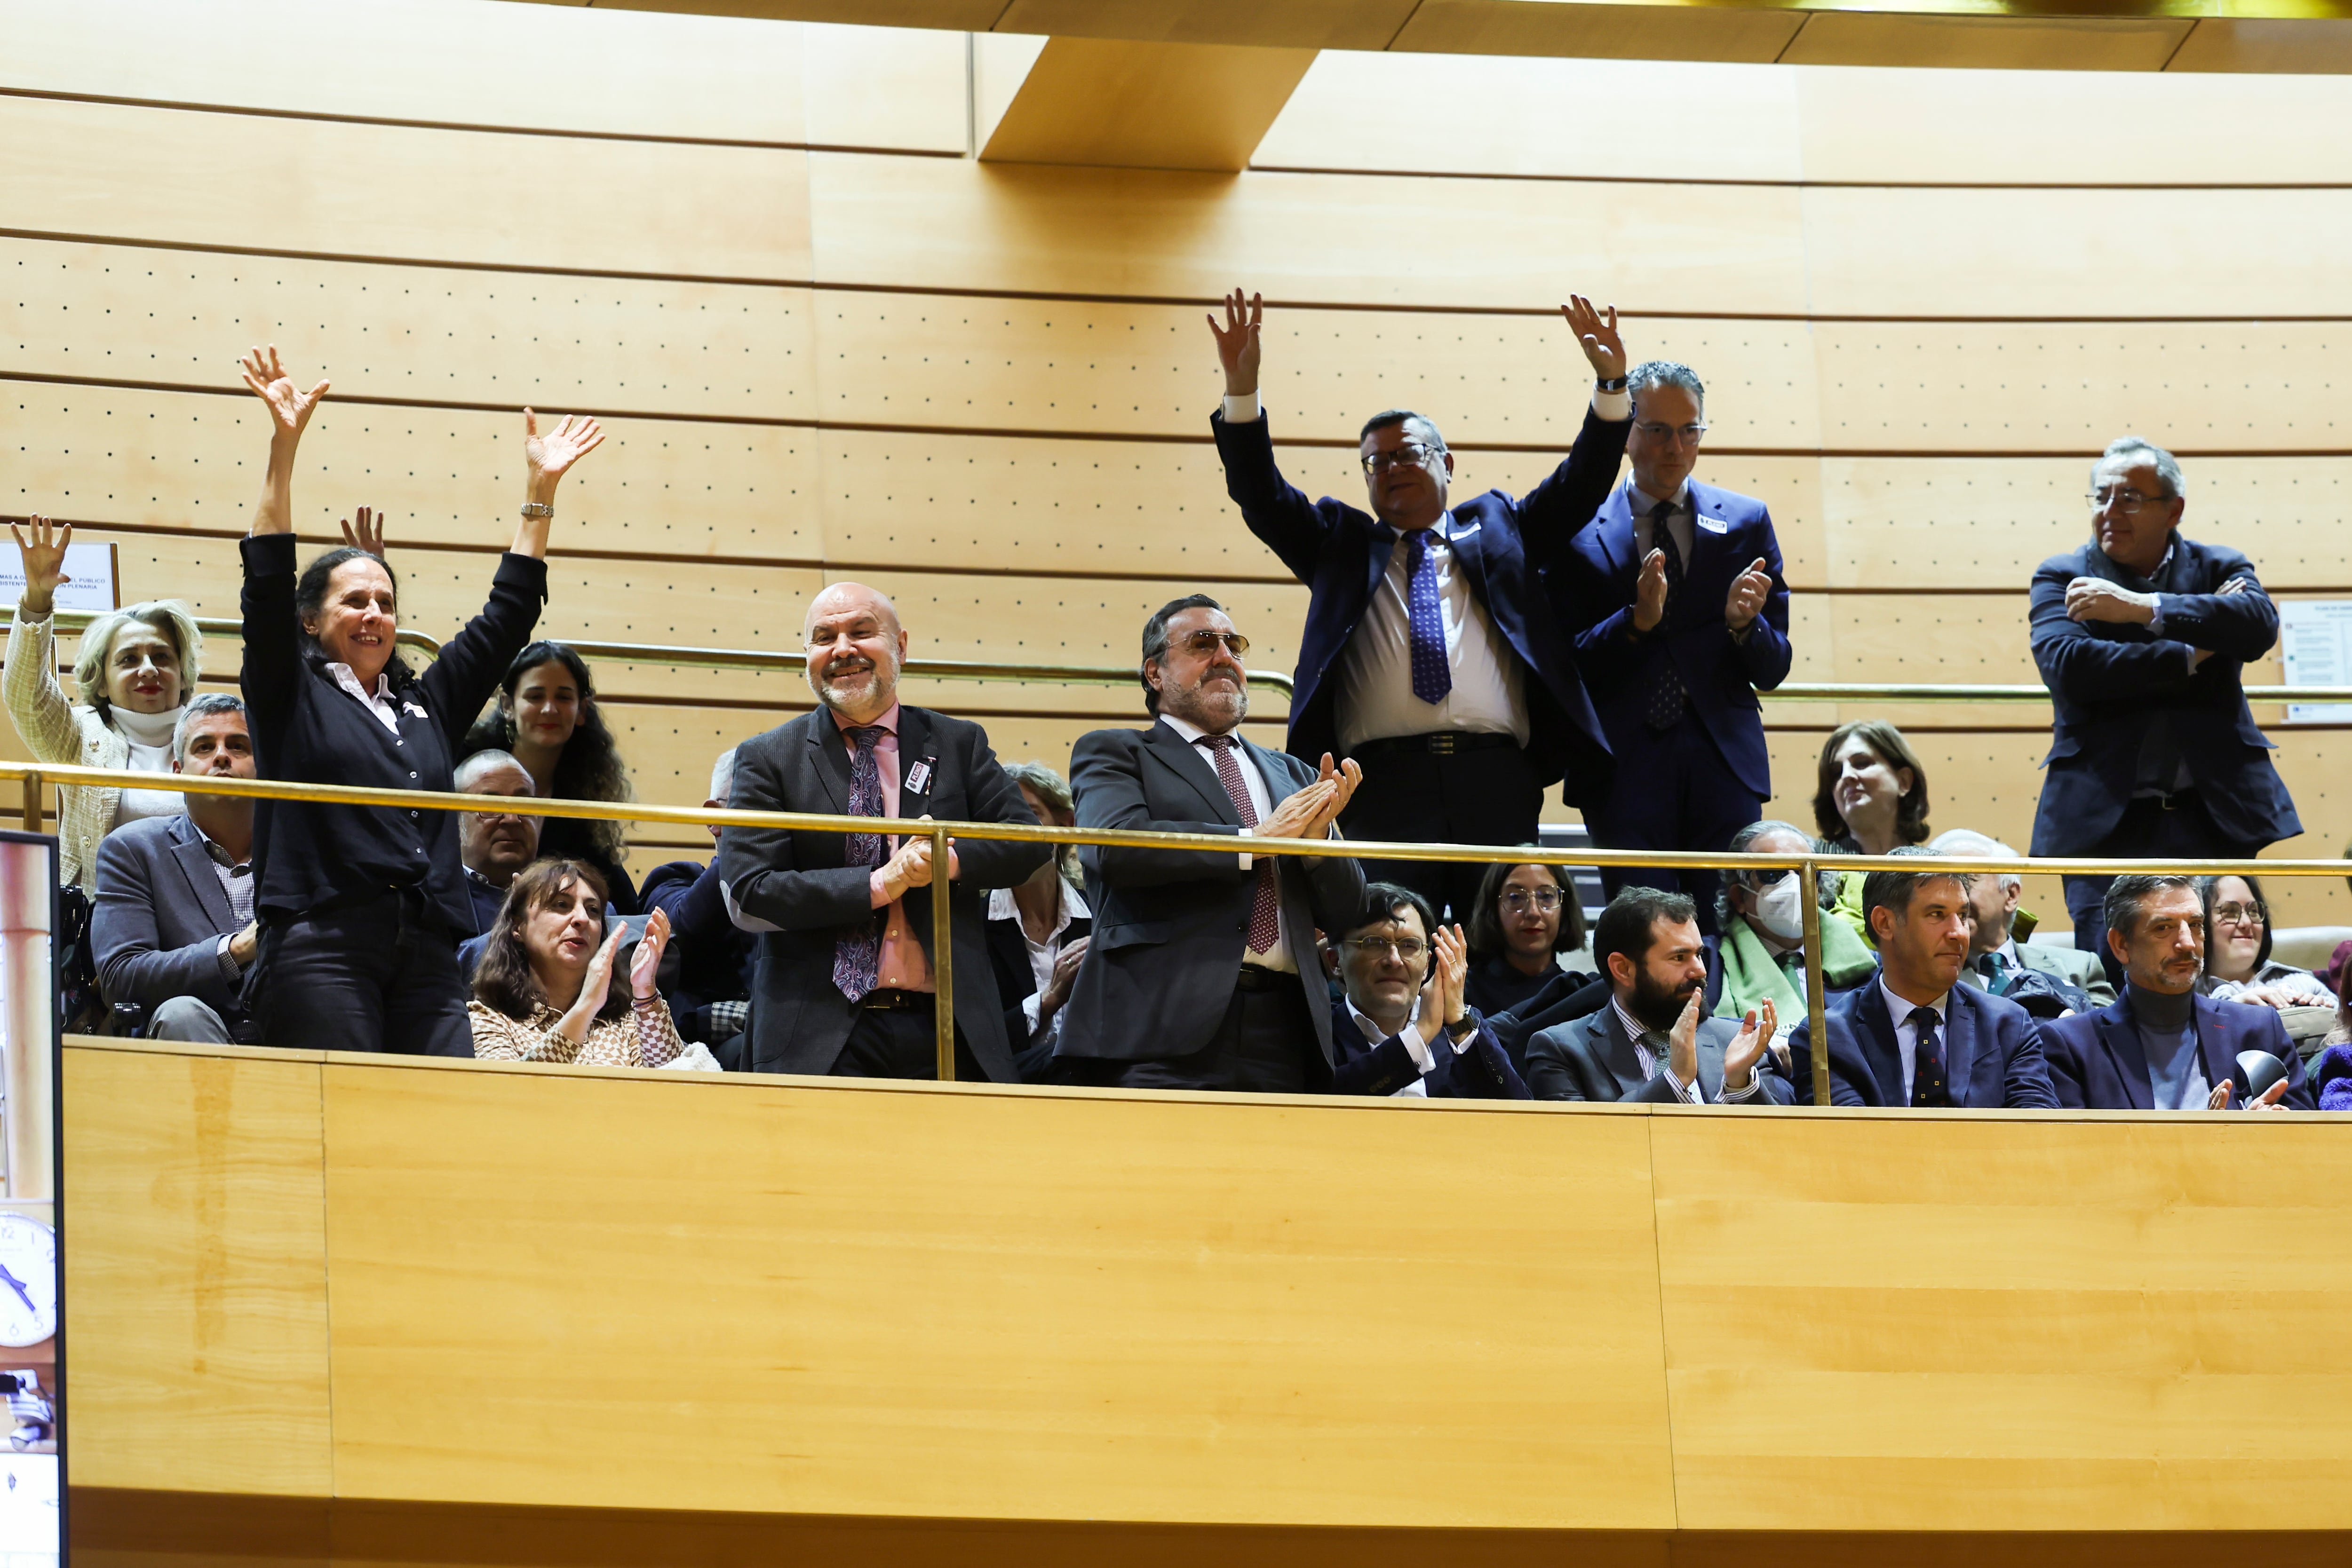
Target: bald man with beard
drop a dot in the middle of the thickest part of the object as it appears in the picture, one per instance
(843, 974)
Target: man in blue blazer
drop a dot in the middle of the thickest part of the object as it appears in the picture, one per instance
(1911, 1034)
(1403, 1027)
(2159, 1046)
(1429, 656)
(2141, 636)
(1680, 615)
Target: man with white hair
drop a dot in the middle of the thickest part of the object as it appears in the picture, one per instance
(493, 846)
(1995, 956)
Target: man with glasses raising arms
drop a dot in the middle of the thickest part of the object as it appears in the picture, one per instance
(2141, 636)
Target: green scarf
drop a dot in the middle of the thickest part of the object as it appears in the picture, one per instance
(1751, 973)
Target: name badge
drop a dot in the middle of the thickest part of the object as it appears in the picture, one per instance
(1712, 525)
(919, 777)
(407, 706)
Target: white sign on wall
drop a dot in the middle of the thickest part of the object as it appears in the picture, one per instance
(2316, 647)
(90, 566)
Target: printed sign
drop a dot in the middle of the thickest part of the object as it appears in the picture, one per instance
(90, 568)
(2315, 646)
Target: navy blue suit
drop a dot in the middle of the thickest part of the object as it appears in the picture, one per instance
(1992, 1053)
(1365, 1067)
(2097, 1063)
(1694, 784)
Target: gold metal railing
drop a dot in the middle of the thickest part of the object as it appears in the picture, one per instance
(34, 776)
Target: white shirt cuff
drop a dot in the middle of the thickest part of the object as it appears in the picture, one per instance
(1245, 409)
(1419, 1049)
(1741, 1096)
(1248, 859)
(1029, 1005)
(1611, 406)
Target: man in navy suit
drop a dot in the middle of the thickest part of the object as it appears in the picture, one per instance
(1202, 971)
(1429, 654)
(1674, 595)
(2141, 636)
(1911, 1034)
(1404, 1028)
(2159, 1046)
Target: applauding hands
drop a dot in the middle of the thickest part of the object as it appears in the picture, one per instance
(1442, 1003)
(1309, 813)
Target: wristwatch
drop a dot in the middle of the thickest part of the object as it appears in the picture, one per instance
(1462, 1029)
(1609, 384)
(537, 509)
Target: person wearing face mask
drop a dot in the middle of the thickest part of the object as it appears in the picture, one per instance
(136, 668)
(362, 907)
(547, 719)
(1403, 1027)
(543, 990)
(1524, 917)
(1996, 957)
(1762, 917)
(1651, 1042)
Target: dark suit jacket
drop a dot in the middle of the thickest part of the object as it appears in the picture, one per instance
(2106, 680)
(1008, 950)
(1591, 1058)
(1594, 588)
(2098, 1063)
(158, 918)
(1172, 925)
(1383, 1067)
(1503, 545)
(1992, 1053)
(795, 882)
(709, 958)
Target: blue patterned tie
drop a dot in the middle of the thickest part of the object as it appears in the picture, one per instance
(1667, 697)
(1431, 677)
(857, 952)
(1928, 1085)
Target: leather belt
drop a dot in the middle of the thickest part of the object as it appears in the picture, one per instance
(1437, 743)
(1258, 977)
(890, 999)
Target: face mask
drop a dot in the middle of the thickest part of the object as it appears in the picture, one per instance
(1778, 909)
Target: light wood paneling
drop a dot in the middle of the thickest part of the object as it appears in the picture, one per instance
(1610, 31)
(196, 1273)
(1123, 104)
(2288, 45)
(901, 1303)
(1987, 43)
(1298, 24)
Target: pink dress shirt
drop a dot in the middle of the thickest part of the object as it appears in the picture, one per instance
(904, 965)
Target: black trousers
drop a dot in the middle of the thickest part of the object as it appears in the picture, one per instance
(377, 974)
(1675, 793)
(1484, 796)
(1266, 1044)
(2174, 826)
(901, 1043)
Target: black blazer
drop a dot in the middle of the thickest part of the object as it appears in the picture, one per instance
(1992, 1053)
(793, 883)
(2107, 680)
(1504, 545)
(1008, 952)
(308, 729)
(1591, 1058)
(159, 914)
(1383, 1067)
(1171, 925)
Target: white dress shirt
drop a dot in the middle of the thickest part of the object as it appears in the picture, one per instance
(1681, 523)
(1281, 955)
(1415, 1047)
(380, 704)
(1044, 955)
(1906, 1038)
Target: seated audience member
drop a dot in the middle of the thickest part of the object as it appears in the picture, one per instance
(1037, 932)
(2237, 963)
(1205, 975)
(1871, 797)
(1762, 917)
(1650, 1043)
(1997, 960)
(494, 845)
(708, 969)
(1912, 1035)
(1404, 1028)
(547, 719)
(174, 929)
(2331, 1076)
(1524, 917)
(2333, 976)
(2159, 1046)
(544, 990)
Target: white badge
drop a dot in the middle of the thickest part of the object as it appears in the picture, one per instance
(919, 777)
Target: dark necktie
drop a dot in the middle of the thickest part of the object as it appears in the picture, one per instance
(857, 951)
(1928, 1085)
(1995, 969)
(1266, 913)
(1431, 677)
(1666, 695)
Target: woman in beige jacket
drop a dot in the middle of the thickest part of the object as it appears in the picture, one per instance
(136, 667)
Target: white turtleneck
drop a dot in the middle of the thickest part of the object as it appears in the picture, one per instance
(149, 736)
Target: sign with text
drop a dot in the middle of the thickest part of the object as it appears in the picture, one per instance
(89, 569)
(2316, 648)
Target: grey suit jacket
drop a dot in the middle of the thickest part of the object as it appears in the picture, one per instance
(1591, 1058)
(158, 918)
(2070, 965)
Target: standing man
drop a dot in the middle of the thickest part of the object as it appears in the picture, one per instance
(842, 983)
(1201, 972)
(1429, 654)
(2141, 636)
(1680, 617)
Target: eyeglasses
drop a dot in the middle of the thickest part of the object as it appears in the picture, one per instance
(1204, 644)
(1545, 898)
(2125, 501)
(1669, 433)
(2241, 915)
(1405, 454)
(1406, 948)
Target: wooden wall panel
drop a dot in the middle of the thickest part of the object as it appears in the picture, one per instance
(1990, 43)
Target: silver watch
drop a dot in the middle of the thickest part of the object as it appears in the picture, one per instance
(537, 509)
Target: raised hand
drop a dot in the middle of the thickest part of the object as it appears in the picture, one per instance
(45, 563)
(1596, 334)
(1682, 1044)
(1650, 592)
(1749, 591)
(366, 534)
(551, 456)
(1449, 960)
(1343, 779)
(1748, 1046)
(289, 407)
(595, 986)
(1237, 342)
(648, 961)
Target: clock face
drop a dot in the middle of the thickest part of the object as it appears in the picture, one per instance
(29, 1281)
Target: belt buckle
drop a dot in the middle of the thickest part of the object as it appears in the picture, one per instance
(1443, 743)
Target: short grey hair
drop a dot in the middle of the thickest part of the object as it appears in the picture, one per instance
(470, 772)
(168, 616)
(2134, 450)
(1054, 791)
(1665, 373)
(722, 775)
(210, 702)
(1968, 842)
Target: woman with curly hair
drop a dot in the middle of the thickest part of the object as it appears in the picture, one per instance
(547, 719)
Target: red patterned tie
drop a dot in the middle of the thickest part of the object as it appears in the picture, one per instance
(1265, 911)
